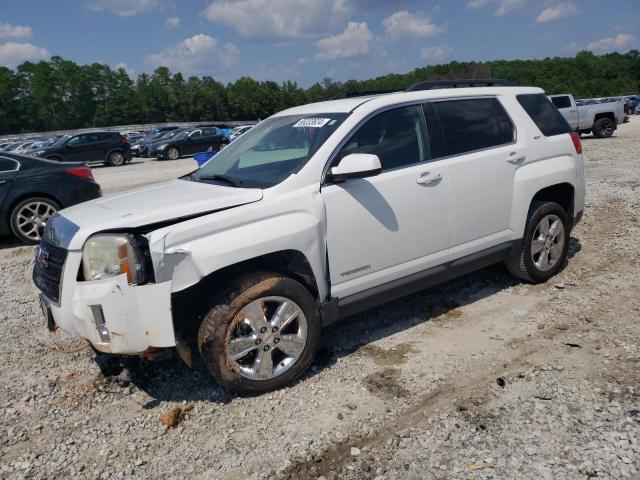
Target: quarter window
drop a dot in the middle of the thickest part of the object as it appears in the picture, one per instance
(548, 119)
(397, 137)
(473, 124)
(561, 102)
(7, 165)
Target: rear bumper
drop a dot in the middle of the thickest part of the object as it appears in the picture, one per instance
(112, 315)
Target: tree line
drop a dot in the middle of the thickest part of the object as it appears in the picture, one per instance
(60, 94)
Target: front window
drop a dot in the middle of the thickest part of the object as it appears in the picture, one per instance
(270, 152)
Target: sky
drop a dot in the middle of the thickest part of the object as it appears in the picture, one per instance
(308, 40)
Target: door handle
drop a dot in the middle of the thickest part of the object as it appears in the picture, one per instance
(516, 160)
(2, 181)
(428, 178)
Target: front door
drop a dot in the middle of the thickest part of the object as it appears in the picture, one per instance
(394, 224)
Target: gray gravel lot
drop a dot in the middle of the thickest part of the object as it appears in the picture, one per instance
(483, 377)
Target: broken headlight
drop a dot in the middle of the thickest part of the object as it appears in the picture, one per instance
(110, 255)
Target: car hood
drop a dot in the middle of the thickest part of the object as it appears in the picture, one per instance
(154, 204)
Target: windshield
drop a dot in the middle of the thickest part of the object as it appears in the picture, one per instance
(271, 151)
(169, 134)
(60, 141)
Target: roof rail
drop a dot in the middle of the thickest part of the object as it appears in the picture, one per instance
(433, 84)
(367, 93)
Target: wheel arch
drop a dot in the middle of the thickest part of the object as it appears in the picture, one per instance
(609, 115)
(190, 305)
(561, 193)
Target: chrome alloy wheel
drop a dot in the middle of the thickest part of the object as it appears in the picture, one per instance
(116, 159)
(173, 154)
(266, 338)
(32, 218)
(548, 243)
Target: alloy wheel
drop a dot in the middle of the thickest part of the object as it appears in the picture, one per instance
(267, 338)
(32, 218)
(548, 243)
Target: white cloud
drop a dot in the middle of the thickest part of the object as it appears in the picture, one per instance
(124, 8)
(173, 22)
(476, 4)
(197, 54)
(437, 53)
(621, 41)
(403, 24)
(280, 20)
(508, 6)
(126, 68)
(355, 41)
(14, 31)
(555, 12)
(13, 53)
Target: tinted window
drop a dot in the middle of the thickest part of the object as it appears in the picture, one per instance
(7, 165)
(196, 134)
(506, 125)
(547, 117)
(561, 102)
(397, 137)
(469, 125)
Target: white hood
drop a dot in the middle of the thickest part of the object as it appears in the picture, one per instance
(153, 204)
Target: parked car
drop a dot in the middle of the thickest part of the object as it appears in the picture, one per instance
(188, 142)
(32, 190)
(602, 118)
(109, 148)
(317, 213)
(237, 131)
(141, 147)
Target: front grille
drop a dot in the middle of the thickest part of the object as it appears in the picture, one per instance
(47, 271)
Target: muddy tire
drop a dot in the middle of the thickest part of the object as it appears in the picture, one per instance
(261, 334)
(543, 250)
(603, 127)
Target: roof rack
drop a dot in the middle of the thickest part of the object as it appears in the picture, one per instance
(433, 84)
(367, 93)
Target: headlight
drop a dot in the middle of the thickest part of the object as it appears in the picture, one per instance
(162, 147)
(136, 146)
(110, 255)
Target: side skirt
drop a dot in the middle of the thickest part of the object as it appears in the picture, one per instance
(338, 308)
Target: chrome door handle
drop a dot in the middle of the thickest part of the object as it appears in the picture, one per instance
(2, 181)
(428, 178)
(516, 160)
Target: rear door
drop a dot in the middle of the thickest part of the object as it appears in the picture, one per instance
(193, 143)
(482, 155)
(567, 108)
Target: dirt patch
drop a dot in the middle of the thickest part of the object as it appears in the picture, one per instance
(385, 384)
(385, 358)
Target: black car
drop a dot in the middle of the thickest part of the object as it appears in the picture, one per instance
(187, 142)
(140, 148)
(109, 148)
(32, 189)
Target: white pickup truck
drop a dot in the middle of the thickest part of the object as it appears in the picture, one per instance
(601, 118)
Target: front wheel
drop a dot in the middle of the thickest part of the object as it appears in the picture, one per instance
(260, 335)
(543, 250)
(173, 153)
(116, 159)
(603, 127)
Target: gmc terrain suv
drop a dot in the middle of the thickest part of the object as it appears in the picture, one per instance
(317, 213)
(109, 148)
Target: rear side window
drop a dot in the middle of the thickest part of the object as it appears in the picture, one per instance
(473, 124)
(561, 102)
(547, 117)
(8, 165)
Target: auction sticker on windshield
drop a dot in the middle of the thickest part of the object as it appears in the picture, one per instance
(312, 123)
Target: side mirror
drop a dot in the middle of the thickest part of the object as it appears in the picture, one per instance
(356, 165)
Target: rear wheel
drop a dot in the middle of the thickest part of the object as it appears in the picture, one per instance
(116, 159)
(260, 335)
(603, 127)
(543, 250)
(29, 218)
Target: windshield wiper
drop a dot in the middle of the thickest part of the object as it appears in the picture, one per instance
(224, 178)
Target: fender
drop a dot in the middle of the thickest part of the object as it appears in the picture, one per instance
(189, 251)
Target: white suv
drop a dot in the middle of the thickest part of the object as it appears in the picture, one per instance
(317, 213)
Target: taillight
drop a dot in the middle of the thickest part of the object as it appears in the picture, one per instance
(575, 136)
(125, 140)
(82, 172)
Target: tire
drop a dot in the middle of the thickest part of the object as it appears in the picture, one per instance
(116, 159)
(526, 265)
(603, 127)
(243, 320)
(29, 217)
(172, 153)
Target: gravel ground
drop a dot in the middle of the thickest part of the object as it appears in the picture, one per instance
(483, 377)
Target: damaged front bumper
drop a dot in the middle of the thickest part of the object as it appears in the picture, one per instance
(114, 316)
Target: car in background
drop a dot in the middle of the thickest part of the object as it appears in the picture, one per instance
(140, 148)
(109, 148)
(600, 118)
(187, 142)
(33, 189)
(134, 137)
(237, 131)
(145, 147)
